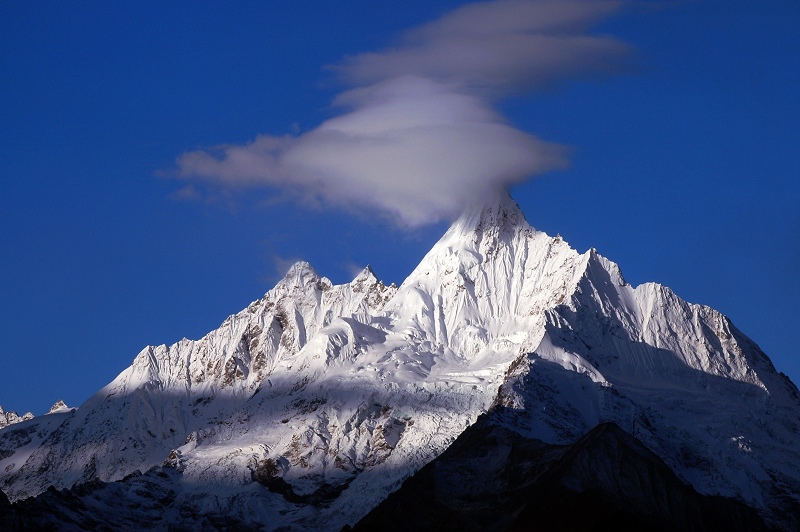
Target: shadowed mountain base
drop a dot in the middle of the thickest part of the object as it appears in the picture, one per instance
(494, 479)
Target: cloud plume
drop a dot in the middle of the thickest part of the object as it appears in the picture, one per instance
(417, 136)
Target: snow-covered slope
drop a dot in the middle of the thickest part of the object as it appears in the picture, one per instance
(312, 404)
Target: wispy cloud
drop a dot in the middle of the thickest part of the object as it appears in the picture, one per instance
(352, 269)
(417, 136)
(505, 46)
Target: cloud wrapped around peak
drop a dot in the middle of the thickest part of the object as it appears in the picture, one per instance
(408, 147)
(417, 137)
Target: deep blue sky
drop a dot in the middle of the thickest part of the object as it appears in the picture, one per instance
(684, 170)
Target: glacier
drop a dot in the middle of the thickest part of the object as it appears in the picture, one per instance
(310, 406)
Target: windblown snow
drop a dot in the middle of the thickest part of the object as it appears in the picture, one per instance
(343, 391)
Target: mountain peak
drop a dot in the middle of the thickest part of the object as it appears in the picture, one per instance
(494, 210)
(366, 274)
(300, 274)
(59, 406)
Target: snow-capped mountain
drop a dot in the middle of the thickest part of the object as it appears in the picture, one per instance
(310, 406)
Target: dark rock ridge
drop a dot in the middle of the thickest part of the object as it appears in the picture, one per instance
(492, 478)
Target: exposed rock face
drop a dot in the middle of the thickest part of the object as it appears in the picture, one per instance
(11, 417)
(347, 390)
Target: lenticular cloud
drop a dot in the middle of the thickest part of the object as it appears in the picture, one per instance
(417, 136)
(408, 147)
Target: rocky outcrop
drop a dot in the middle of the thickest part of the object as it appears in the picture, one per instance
(11, 417)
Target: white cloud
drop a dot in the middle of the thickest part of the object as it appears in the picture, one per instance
(510, 45)
(417, 137)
